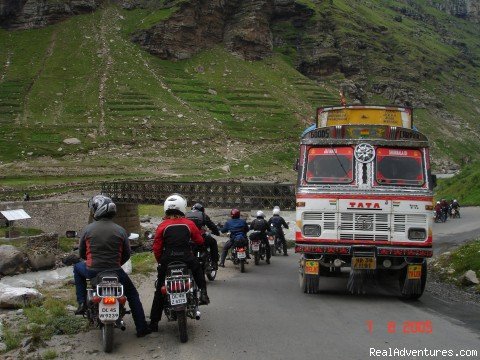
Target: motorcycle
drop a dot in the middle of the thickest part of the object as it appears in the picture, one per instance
(106, 306)
(257, 246)
(239, 253)
(181, 296)
(205, 260)
(454, 213)
(439, 216)
(271, 243)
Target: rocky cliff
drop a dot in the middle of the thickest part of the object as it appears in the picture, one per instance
(465, 9)
(243, 26)
(26, 14)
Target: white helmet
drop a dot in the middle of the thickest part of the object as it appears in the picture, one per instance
(455, 200)
(276, 210)
(175, 202)
(260, 214)
(438, 202)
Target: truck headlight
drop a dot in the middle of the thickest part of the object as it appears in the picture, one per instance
(312, 230)
(417, 234)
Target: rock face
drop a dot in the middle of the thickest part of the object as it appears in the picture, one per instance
(26, 14)
(244, 27)
(13, 297)
(11, 260)
(465, 9)
(469, 278)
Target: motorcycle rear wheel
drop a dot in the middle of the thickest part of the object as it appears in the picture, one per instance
(242, 266)
(107, 337)
(182, 325)
(272, 250)
(257, 258)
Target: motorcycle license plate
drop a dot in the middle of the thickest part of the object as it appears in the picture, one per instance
(108, 311)
(271, 242)
(178, 299)
(364, 263)
(311, 267)
(255, 246)
(414, 271)
(241, 255)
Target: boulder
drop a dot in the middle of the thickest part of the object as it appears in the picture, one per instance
(72, 141)
(17, 297)
(41, 261)
(469, 278)
(11, 260)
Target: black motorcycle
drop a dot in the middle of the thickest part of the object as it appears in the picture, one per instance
(181, 296)
(106, 306)
(205, 259)
(258, 248)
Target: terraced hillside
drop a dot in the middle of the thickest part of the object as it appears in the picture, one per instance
(216, 115)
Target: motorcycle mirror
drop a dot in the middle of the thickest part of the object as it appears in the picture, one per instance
(71, 234)
(434, 180)
(296, 165)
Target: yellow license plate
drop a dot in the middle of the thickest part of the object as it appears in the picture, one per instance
(414, 271)
(311, 267)
(364, 263)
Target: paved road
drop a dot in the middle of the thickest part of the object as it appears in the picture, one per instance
(263, 314)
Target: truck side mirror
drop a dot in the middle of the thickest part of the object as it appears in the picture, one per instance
(296, 165)
(434, 180)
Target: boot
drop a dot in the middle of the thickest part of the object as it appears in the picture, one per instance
(82, 308)
(153, 326)
(204, 299)
(268, 261)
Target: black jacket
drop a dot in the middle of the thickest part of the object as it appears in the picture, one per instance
(104, 245)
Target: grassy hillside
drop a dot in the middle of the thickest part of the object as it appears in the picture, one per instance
(139, 116)
(464, 187)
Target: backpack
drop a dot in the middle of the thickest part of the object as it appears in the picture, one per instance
(197, 217)
(259, 224)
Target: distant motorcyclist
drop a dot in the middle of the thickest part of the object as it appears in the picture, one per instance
(198, 216)
(172, 243)
(104, 246)
(238, 229)
(456, 206)
(445, 206)
(278, 222)
(261, 225)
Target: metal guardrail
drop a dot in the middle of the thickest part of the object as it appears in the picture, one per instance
(210, 194)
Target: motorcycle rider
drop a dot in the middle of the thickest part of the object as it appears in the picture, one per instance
(172, 243)
(455, 205)
(438, 211)
(260, 224)
(444, 204)
(198, 216)
(104, 245)
(238, 231)
(277, 221)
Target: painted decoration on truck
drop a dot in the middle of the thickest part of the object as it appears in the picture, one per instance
(365, 115)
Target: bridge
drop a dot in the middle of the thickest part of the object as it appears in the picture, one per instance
(241, 195)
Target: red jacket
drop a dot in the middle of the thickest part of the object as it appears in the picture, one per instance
(175, 234)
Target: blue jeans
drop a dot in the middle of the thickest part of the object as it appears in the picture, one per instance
(81, 274)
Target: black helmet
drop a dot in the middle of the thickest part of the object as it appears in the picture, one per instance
(198, 207)
(102, 206)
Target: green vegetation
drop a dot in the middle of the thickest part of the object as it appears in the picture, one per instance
(43, 320)
(140, 117)
(67, 244)
(463, 187)
(143, 263)
(17, 232)
(451, 266)
(49, 355)
(150, 210)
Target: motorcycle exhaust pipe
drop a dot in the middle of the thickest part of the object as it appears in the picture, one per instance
(197, 315)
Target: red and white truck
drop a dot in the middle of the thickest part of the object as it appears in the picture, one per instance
(364, 198)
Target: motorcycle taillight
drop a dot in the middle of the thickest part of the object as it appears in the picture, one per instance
(109, 300)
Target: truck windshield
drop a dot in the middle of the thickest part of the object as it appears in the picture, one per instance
(329, 165)
(399, 167)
